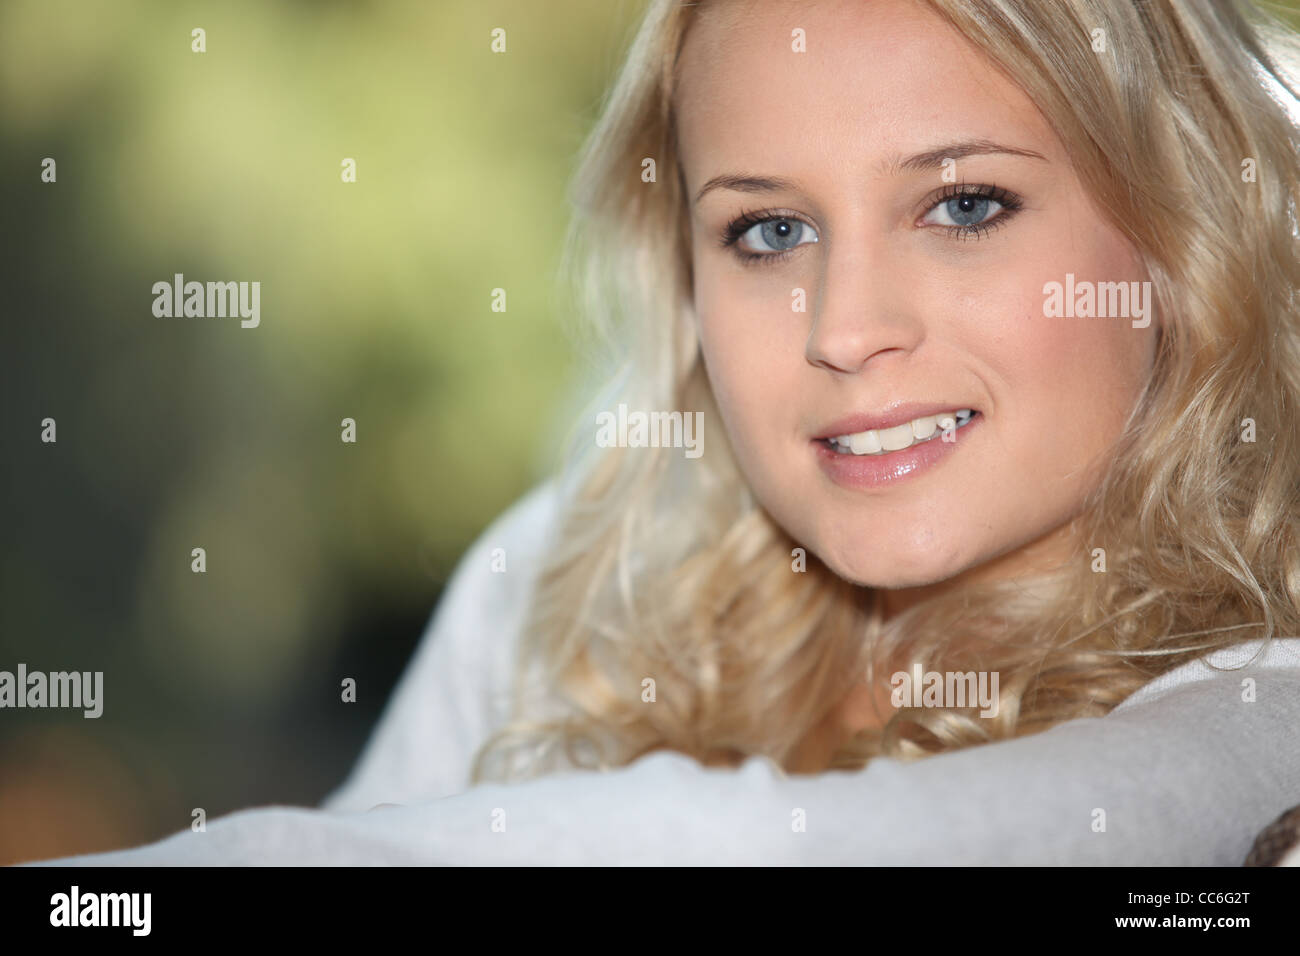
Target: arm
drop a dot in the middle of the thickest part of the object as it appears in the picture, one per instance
(1186, 772)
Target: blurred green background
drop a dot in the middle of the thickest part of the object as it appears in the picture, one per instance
(325, 559)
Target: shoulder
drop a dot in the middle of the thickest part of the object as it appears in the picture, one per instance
(504, 558)
(486, 599)
(528, 522)
(1207, 675)
(457, 687)
(487, 594)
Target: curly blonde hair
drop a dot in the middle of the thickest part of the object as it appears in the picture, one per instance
(668, 568)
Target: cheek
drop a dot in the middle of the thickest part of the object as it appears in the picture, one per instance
(1062, 387)
(1074, 378)
(747, 343)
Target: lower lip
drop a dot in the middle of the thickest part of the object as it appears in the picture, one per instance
(877, 471)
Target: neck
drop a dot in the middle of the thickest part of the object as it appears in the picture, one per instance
(1043, 555)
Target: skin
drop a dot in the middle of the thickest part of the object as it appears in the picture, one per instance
(898, 308)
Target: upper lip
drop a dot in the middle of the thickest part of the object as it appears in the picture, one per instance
(899, 414)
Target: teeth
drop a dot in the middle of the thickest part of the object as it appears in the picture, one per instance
(923, 428)
(865, 443)
(896, 439)
(880, 441)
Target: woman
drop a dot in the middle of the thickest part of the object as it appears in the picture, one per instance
(989, 310)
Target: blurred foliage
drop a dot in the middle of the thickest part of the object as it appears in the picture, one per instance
(324, 558)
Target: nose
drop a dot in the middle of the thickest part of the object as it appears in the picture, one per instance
(864, 307)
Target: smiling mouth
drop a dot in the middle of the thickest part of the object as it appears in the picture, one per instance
(883, 441)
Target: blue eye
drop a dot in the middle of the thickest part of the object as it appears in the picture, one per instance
(967, 210)
(972, 211)
(766, 235)
(779, 235)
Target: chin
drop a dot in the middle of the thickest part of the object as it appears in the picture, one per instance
(885, 575)
(891, 566)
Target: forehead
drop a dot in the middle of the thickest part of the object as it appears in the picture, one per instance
(879, 78)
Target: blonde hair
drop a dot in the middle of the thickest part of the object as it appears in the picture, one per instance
(668, 568)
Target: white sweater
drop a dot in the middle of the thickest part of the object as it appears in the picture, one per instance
(1183, 772)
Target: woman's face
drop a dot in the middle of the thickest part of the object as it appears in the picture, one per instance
(917, 300)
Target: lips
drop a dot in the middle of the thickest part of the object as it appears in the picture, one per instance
(901, 414)
(875, 460)
(887, 440)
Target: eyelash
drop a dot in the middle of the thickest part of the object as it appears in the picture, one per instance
(1009, 201)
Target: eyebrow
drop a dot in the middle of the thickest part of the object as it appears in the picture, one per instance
(917, 162)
